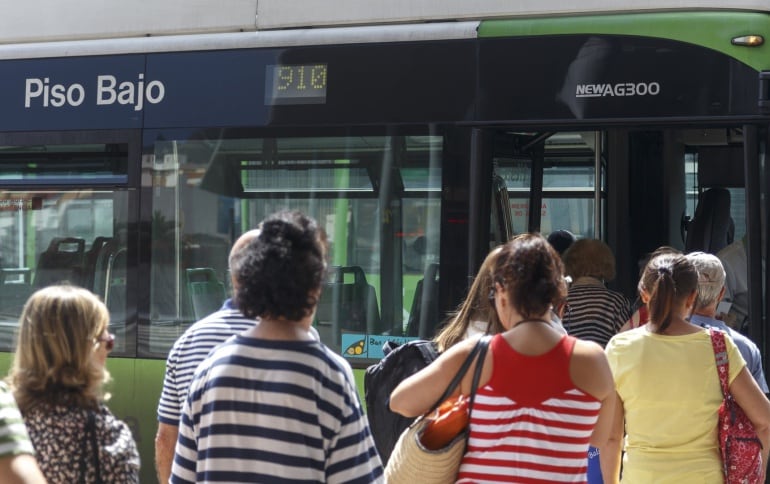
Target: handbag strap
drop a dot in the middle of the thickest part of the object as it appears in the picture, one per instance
(460, 374)
(84, 446)
(722, 360)
(483, 345)
(92, 435)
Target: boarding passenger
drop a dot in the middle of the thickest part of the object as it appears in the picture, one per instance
(17, 456)
(669, 394)
(188, 351)
(477, 315)
(56, 377)
(594, 313)
(533, 382)
(641, 314)
(274, 403)
(736, 262)
(711, 289)
(561, 240)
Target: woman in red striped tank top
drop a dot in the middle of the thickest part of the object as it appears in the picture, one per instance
(543, 396)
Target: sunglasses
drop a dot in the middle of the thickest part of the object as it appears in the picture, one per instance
(109, 341)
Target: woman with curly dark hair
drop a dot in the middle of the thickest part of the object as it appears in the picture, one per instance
(542, 395)
(274, 403)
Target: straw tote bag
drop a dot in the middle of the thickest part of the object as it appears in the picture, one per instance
(410, 462)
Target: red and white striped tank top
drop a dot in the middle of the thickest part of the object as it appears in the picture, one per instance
(529, 423)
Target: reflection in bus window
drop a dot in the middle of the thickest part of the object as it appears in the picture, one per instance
(568, 180)
(52, 237)
(376, 198)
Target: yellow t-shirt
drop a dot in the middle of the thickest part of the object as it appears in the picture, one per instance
(670, 392)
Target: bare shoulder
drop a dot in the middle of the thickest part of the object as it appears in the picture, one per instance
(590, 370)
(589, 351)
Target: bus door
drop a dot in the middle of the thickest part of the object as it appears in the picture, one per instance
(66, 207)
(555, 180)
(696, 189)
(757, 180)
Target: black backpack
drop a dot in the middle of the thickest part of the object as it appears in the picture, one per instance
(381, 379)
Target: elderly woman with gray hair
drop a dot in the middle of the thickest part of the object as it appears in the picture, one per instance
(594, 312)
(711, 290)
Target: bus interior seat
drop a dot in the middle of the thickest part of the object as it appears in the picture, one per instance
(206, 251)
(424, 315)
(14, 293)
(90, 260)
(347, 305)
(103, 257)
(206, 292)
(709, 230)
(115, 292)
(61, 261)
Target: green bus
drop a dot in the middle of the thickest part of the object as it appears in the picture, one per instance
(137, 144)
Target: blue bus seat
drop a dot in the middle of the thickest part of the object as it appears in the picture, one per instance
(102, 259)
(90, 259)
(347, 304)
(200, 250)
(206, 292)
(116, 287)
(61, 262)
(709, 230)
(13, 292)
(424, 314)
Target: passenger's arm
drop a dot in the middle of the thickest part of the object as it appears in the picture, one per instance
(165, 441)
(418, 393)
(20, 469)
(603, 428)
(756, 406)
(610, 452)
(590, 371)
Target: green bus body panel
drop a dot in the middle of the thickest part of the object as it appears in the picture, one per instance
(713, 30)
(135, 389)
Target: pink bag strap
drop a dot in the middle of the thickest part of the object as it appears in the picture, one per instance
(722, 360)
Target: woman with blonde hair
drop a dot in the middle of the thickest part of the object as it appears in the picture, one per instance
(57, 376)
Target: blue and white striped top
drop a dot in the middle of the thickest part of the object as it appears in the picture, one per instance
(274, 411)
(187, 353)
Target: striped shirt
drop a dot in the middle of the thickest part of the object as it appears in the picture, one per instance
(529, 423)
(189, 350)
(14, 439)
(595, 313)
(274, 411)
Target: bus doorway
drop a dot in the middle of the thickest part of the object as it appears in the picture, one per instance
(641, 188)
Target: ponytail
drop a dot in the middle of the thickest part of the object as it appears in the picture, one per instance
(662, 299)
(668, 279)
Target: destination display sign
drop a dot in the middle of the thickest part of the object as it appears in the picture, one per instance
(297, 84)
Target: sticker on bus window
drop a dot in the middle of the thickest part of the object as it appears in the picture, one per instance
(361, 345)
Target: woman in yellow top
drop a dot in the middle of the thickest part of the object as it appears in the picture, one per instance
(668, 388)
